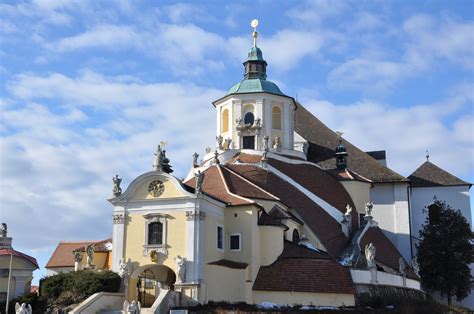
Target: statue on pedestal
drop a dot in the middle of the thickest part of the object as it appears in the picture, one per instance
(158, 161)
(370, 255)
(277, 143)
(132, 308)
(195, 160)
(368, 209)
(181, 268)
(4, 230)
(199, 180)
(117, 190)
(220, 140)
(77, 260)
(90, 255)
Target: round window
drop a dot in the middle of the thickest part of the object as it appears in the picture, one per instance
(249, 118)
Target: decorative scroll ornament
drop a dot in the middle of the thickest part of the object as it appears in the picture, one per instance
(118, 218)
(195, 215)
(248, 128)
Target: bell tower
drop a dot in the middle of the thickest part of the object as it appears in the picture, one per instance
(255, 109)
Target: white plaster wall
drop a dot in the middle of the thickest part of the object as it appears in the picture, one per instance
(383, 278)
(392, 213)
(458, 197)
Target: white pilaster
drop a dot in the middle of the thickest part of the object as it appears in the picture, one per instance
(268, 121)
(286, 127)
(237, 110)
(118, 238)
(194, 245)
(259, 103)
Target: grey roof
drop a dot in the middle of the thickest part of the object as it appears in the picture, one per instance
(322, 144)
(428, 174)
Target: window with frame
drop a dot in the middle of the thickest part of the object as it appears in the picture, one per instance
(225, 120)
(249, 118)
(155, 233)
(220, 237)
(235, 242)
(276, 118)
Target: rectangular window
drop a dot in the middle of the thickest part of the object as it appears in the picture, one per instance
(155, 233)
(220, 238)
(235, 242)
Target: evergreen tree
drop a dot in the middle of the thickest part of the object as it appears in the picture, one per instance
(445, 252)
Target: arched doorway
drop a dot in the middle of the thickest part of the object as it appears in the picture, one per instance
(147, 282)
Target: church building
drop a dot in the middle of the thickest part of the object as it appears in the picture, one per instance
(283, 210)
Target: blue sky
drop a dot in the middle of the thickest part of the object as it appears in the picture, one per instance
(89, 88)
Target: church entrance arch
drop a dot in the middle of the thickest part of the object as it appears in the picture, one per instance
(148, 281)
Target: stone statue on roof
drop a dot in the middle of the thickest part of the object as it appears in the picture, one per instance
(117, 190)
(4, 230)
(368, 209)
(416, 266)
(77, 256)
(227, 143)
(277, 143)
(199, 180)
(195, 160)
(219, 140)
(158, 161)
(370, 255)
(402, 266)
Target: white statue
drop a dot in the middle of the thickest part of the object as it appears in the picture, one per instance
(370, 255)
(208, 150)
(228, 143)
(368, 209)
(132, 308)
(265, 142)
(125, 268)
(181, 268)
(416, 266)
(277, 143)
(23, 309)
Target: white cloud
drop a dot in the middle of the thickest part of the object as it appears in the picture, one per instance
(57, 161)
(406, 132)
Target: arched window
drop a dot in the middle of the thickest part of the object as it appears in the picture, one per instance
(249, 118)
(155, 233)
(276, 118)
(433, 213)
(296, 236)
(225, 120)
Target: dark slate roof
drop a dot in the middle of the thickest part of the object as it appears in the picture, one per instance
(279, 213)
(377, 154)
(428, 174)
(300, 269)
(386, 252)
(229, 264)
(322, 144)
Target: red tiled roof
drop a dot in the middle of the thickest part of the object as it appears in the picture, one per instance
(348, 175)
(63, 255)
(386, 253)
(321, 223)
(9, 252)
(300, 269)
(215, 185)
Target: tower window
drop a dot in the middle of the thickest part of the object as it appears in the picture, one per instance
(225, 120)
(276, 118)
(155, 233)
(249, 118)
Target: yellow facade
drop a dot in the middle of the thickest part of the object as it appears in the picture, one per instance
(170, 190)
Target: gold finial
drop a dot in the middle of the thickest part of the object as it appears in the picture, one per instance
(254, 24)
